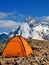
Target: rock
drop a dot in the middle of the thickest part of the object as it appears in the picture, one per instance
(3, 63)
(42, 51)
(16, 63)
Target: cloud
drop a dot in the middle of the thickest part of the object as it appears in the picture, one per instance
(10, 20)
(12, 16)
(45, 18)
(4, 14)
(19, 17)
(9, 24)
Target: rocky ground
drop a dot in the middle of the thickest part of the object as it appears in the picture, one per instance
(40, 56)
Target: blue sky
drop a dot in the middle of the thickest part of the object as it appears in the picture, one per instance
(17, 10)
(26, 7)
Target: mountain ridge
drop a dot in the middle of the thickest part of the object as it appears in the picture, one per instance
(31, 29)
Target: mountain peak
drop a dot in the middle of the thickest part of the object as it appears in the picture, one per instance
(31, 29)
(5, 33)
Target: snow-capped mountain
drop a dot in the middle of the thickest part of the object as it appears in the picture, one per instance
(31, 29)
(0, 33)
(4, 35)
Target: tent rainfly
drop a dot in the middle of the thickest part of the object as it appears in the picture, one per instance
(17, 47)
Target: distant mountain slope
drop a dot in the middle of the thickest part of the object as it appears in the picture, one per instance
(4, 35)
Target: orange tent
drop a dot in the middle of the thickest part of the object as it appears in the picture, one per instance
(17, 46)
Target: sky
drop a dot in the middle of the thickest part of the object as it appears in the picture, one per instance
(15, 11)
